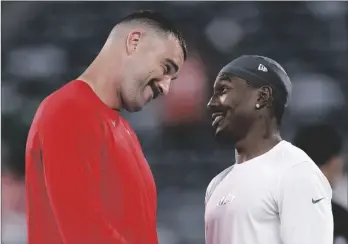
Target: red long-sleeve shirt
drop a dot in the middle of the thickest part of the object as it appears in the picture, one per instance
(87, 179)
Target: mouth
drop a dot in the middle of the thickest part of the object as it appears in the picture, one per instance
(217, 118)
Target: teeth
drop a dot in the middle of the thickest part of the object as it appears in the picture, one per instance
(216, 115)
(217, 119)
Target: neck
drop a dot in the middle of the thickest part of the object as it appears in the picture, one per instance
(103, 79)
(261, 138)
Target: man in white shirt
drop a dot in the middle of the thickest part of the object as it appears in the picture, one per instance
(274, 193)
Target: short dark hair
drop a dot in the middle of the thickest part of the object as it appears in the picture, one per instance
(279, 102)
(156, 20)
(320, 141)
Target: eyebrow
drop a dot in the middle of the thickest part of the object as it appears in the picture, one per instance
(224, 77)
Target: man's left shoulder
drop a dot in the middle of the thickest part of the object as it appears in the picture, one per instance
(306, 175)
(303, 169)
(293, 155)
(291, 158)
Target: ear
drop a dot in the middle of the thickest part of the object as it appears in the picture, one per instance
(264, 97)
(132, 41)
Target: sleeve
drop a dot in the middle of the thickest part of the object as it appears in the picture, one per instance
(215, 182)
(209, 190)
(71, 142)
(305, 206)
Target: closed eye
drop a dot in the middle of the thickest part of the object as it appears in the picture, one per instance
(171, 66)
(167, 69)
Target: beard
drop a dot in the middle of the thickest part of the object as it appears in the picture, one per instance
(225, 137)
(232, 131)
(135, 96)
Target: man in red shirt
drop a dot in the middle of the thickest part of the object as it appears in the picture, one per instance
(87, 179)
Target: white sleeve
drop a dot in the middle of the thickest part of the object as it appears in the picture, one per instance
(304, 218)
(210, 189)
(214, 183)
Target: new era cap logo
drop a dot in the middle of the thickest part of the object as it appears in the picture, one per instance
(262, 68)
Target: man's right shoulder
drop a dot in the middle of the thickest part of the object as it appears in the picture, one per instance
(215, 182)
(60, 103)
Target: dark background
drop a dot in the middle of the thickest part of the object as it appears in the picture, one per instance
(47, 44)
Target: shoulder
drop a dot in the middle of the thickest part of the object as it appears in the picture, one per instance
(215, 181)
(63, 105)
(290, 155)
(290, 161)
(218, 178)
(296, 173)
(303, 171)
(64, 111)
(304, 178)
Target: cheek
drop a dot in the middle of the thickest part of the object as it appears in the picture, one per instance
(152, 66)
(137, 68)
(239, 109)
(247, 105)
(232, 101)
(224, 99)
(146, 72)
(138, 79)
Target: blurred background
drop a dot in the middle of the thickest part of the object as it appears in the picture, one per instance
(47, 44)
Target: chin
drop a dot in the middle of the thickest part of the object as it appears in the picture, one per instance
(132, 110)
(223, 135)
(220, 133)
(133, 107)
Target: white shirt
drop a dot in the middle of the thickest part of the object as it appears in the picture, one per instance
(271, 199)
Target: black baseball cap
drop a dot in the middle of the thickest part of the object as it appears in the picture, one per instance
(259, 71)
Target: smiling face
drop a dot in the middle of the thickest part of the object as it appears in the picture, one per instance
(153, 62)
(233, 107)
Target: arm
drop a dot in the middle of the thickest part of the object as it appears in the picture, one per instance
(305, 219)
(71, 142)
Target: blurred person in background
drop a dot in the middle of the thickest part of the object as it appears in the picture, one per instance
(184, 108)
(324, 145)
(274, 193)
(13, 218)
(87, 178)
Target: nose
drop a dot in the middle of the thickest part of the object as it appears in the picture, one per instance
(164, 85)
(211, 103)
